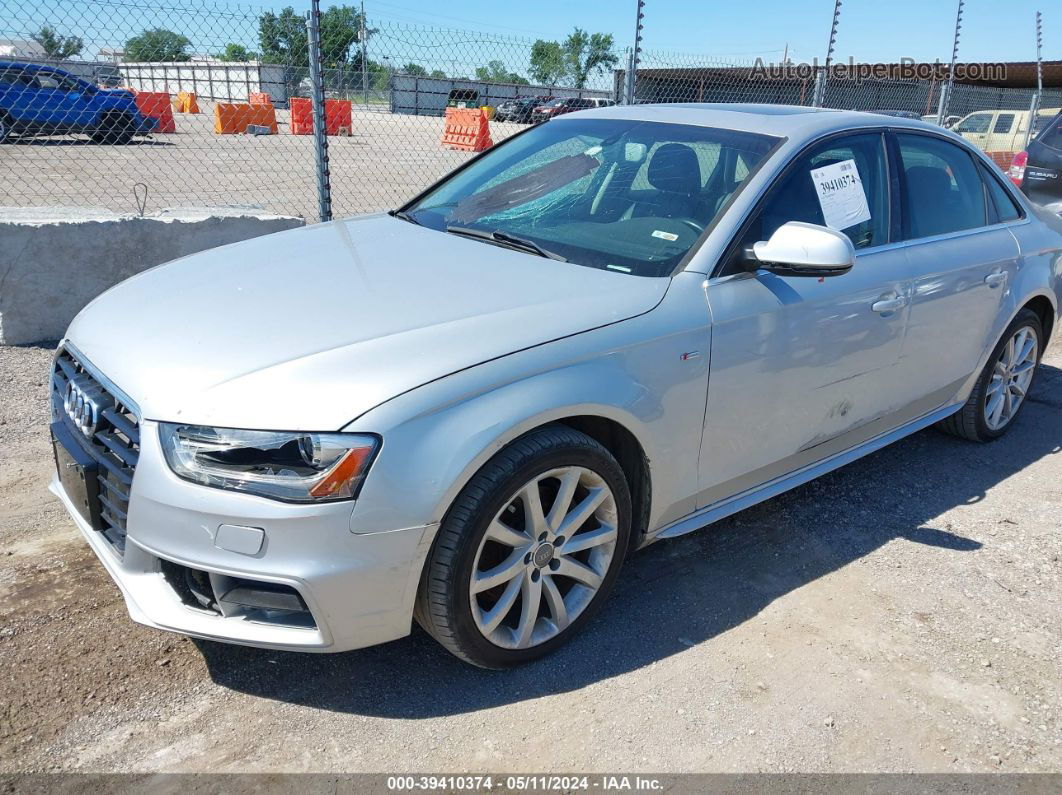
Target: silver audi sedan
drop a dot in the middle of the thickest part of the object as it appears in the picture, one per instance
(614, 328)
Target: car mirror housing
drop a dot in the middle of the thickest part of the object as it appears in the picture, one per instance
(801, 249)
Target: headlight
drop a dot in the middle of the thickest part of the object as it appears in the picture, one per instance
(292, 466)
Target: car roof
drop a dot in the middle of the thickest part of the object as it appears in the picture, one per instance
(789, 121)
(31, 67)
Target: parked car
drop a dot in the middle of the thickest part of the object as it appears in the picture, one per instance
(949, 121)
(519, 109)
(902, 114)
(304, 90)
(562, 105)
(463, 98)
(1001, 130)
(1038, 170)
(107, 76)
(46, 100)
(616, 328)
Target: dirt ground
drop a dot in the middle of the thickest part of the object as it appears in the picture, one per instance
(901, 614)
(386, 159)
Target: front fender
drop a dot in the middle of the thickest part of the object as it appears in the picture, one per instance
(633, 372)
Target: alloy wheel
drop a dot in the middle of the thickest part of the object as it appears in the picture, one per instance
(1011, 378)
(544, 557)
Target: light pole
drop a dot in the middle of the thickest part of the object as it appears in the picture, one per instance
(820, 79)
(1034, 108)
(363, 39)
(635, 57)
(945, 95)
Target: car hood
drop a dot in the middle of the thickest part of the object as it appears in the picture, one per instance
(308, 329)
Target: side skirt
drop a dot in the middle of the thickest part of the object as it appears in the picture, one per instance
(739, 502)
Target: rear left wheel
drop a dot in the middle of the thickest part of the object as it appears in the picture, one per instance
(1001, 389)
(529, 550)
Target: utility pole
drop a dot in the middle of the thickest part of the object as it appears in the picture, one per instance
(635, 57)
(320, 137)
(1034, 108)
(363, 36)
(945, 95)
(820, 79)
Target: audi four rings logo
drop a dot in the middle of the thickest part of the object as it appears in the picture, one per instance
(81, 404)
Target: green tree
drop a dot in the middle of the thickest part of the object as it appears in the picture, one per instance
(586, 54)
(438, 73)
(414, 69)
(283, 37)
(157, 44)
(581, 56)
(57, 46)
(547, 63)
(236, 52)
(495, 72)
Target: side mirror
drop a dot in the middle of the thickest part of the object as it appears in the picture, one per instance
(800, 249)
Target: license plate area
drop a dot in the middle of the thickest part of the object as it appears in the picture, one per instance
(78, 473)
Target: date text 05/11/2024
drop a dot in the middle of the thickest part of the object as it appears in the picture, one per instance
(524, 783)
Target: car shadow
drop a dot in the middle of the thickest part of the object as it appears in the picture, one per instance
(679, 593)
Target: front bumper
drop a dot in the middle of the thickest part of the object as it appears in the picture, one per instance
(358, 587)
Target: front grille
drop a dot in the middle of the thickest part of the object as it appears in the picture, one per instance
(111, 437)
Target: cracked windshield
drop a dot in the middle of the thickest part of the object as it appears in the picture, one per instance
(622, 195)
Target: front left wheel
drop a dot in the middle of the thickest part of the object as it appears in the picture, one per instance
(528, 551)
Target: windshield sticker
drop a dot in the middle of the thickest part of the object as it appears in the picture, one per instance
(665, 235)
(841, 196)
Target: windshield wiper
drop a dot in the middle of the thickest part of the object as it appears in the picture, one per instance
(505, 239)
(405, 216)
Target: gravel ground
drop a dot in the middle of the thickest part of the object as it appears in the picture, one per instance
(901, 614)
(387, 159)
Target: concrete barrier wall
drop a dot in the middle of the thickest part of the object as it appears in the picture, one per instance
(55, 260)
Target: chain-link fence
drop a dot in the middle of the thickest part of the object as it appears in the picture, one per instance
(223, 112)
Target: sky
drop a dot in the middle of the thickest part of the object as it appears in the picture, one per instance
(869, 31)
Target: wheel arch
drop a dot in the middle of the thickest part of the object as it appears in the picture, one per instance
(1040, 301)
(607, 425)
(628, 451)
(1045, 310)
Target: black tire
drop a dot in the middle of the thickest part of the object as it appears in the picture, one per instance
(443, 602)
(5, 129)
(116, 129)
(969, 421)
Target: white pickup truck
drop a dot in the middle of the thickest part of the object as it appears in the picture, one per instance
(1001, 131)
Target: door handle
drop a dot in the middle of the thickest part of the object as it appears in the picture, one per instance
(993, 280)
(889, 304)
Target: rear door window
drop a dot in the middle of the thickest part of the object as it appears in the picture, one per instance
(940, 188)
(1004, 121)
(1002, 207)
(1052, 136)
